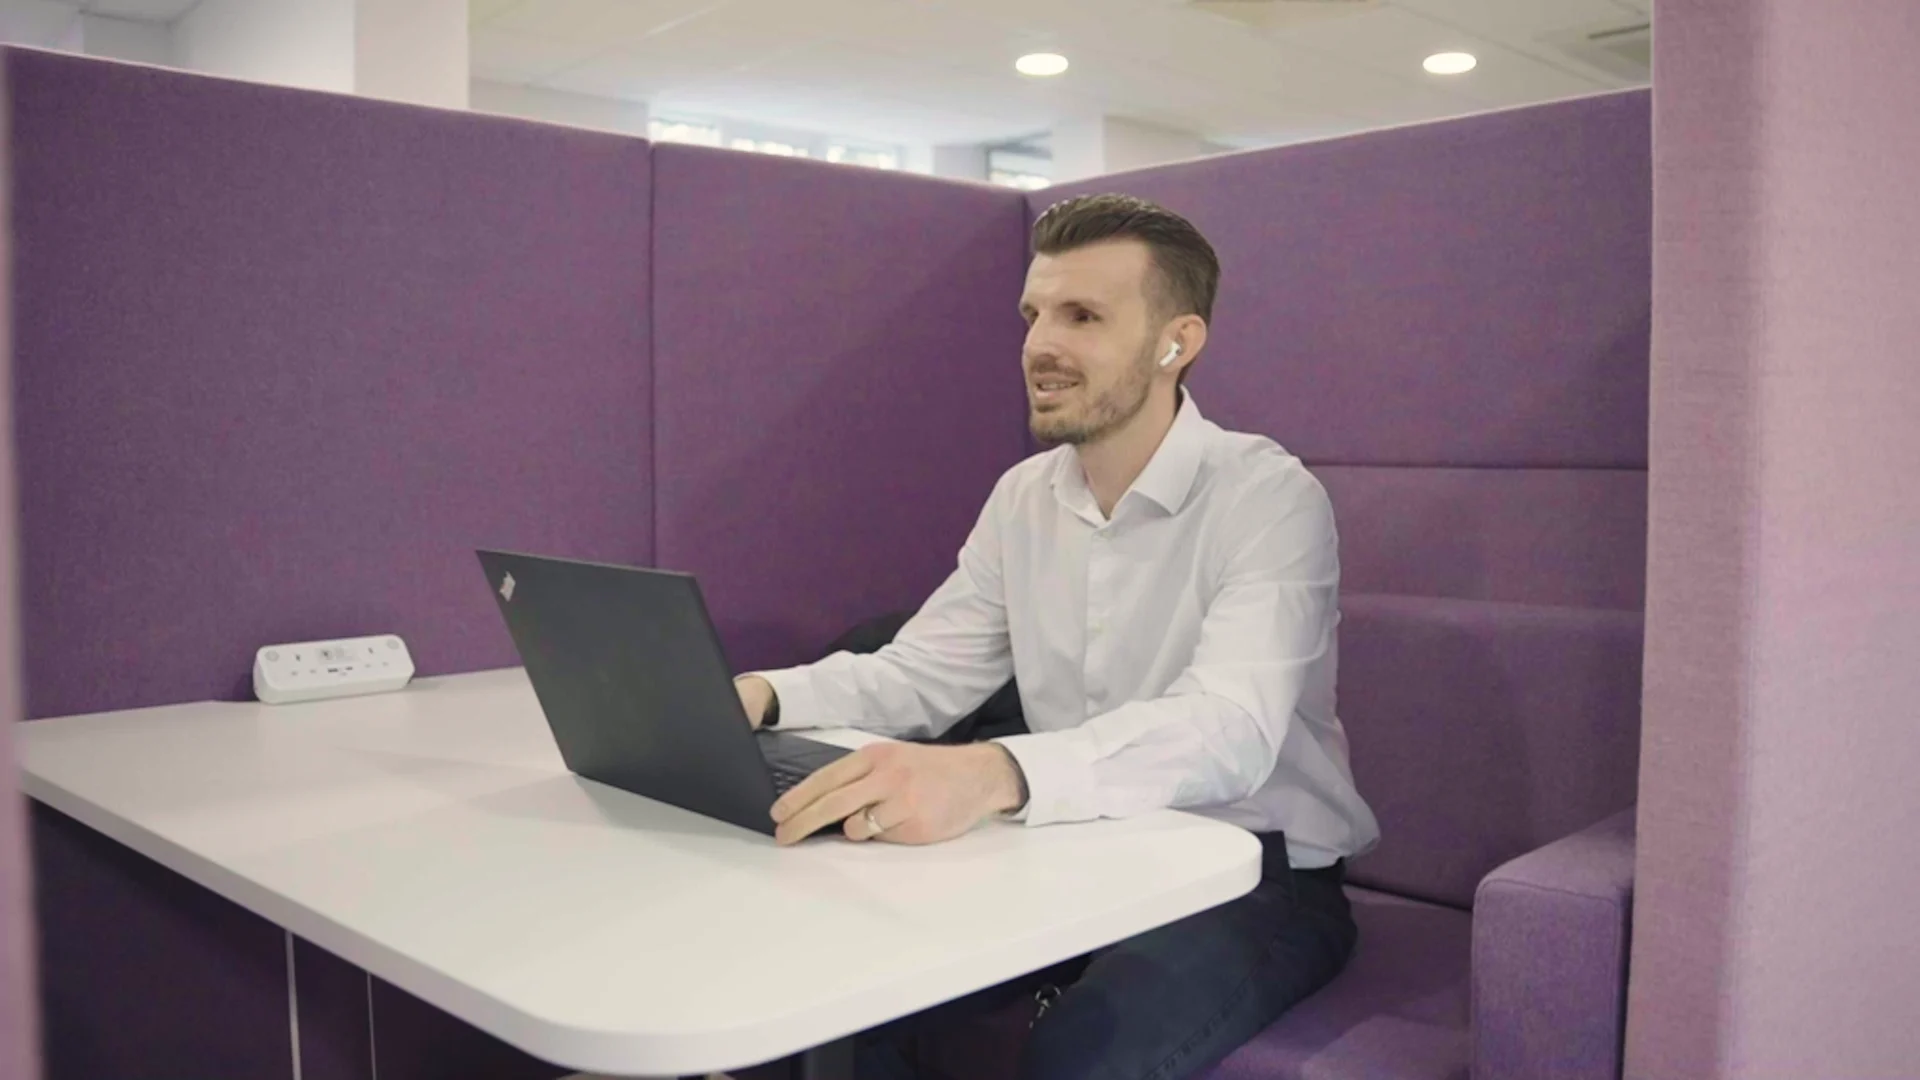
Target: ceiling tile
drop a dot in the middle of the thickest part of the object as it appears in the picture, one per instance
(480, 12)
(600, 22)
(144, 10)
(1540, 30)
(1519, 21)
(1393, 42)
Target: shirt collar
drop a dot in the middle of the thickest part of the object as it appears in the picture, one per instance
(1166, 481)
(1169, 475)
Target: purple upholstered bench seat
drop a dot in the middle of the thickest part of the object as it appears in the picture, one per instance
(1399, 1011)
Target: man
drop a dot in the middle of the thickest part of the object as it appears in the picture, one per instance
(1166, 593)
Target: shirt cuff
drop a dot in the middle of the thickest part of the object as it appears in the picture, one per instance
(1059, 778)
(799, 705)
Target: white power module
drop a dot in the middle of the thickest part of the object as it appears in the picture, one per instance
(311, 670)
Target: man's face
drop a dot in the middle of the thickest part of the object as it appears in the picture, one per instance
(1091, 336)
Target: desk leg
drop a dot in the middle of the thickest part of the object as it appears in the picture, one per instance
(833, 1061)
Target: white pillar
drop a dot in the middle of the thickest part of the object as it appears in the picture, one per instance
(405, 50)
(305, 43)
(412, 50)
(124, 39)
(1079, 149)
(1110, 144)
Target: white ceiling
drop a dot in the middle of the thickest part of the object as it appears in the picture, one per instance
(941, 71)
(148, 10)
(920, 71)
(42, 22)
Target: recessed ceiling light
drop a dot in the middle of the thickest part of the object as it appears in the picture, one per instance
(1450, 63)
(1041, 64)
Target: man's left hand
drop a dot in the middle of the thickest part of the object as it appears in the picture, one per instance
(915, 794)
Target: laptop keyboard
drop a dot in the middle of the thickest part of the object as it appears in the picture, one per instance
(786, 775)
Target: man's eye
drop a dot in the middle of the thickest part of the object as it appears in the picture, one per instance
(1083, 316)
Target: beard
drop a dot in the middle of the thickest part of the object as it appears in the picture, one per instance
(1097, 415)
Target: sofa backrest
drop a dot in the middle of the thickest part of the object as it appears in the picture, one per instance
(1449, 324)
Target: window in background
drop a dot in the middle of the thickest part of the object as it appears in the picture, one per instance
(683, 131)
(770, 146)
(1024, 165)
(872, 157)
(1021, 180)
(780, 142)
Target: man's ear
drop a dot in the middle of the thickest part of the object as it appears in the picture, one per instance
(1190, 333)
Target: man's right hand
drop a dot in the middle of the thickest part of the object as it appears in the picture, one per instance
(756, 697)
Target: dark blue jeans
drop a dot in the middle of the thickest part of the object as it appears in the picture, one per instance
(1165, 1005)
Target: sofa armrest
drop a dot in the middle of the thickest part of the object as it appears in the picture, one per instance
(1550, 934)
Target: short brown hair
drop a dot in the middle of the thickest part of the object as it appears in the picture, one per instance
(1186, 268)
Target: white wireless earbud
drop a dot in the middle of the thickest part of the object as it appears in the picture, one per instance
(1173, 354)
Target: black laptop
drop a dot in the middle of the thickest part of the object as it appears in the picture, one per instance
(629, 671)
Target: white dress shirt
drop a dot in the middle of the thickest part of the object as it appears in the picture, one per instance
(1178, 654)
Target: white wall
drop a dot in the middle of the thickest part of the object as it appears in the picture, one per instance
(126, 39)
(558, 107)
(1133, 145)
(1110, 144)
(305, 43)
(1079, 149)
(964, 161)
(412, 50)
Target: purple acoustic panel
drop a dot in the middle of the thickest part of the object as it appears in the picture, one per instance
(1568, 537)
(284, 359)
(335, 1003)
(414, 1041)
(145, 974)
(1481, 731)
(1774, 928)
(19, 1017)
(837, 386)
(1472, 292)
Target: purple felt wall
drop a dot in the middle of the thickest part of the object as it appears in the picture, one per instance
(284, 359)
(19, 1015)
(837, 386)
(288, 358)
(1774, 931)
(1567, 537)
(146, 974)
(1464, 293)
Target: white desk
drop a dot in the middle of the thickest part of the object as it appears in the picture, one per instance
(433, 838)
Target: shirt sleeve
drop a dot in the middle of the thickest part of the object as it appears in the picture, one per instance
(944, 663)
(1214, 737)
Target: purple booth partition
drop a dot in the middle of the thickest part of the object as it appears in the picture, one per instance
(283, 360)
(1782, 786)
(19, 1016)
(836, 386)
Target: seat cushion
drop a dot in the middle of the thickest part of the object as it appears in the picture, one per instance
(1398, 1012)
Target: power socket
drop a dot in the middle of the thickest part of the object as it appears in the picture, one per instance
(312, 670)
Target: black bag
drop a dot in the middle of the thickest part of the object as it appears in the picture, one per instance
(998, 717)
